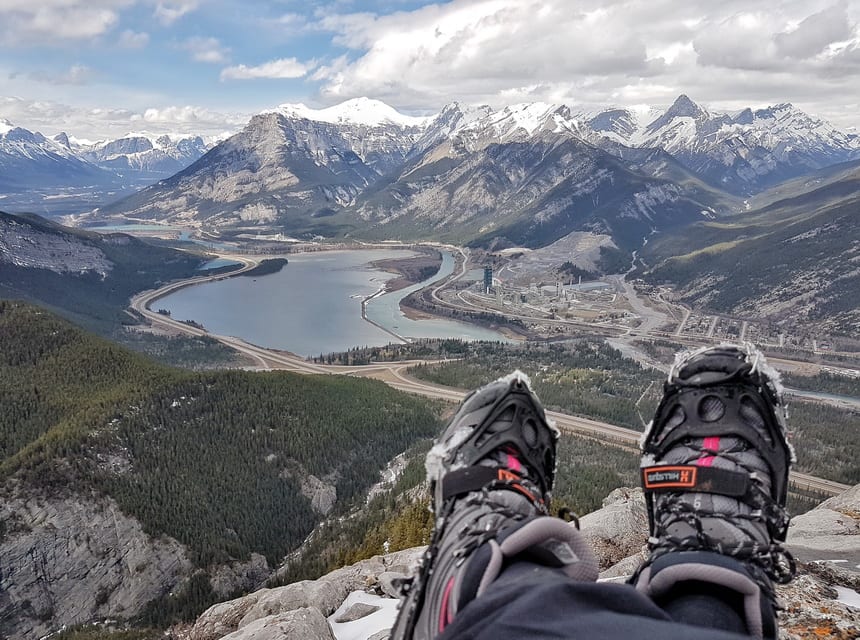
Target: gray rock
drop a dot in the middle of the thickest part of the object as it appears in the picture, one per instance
(386, 582)
(832, 527)
(224, 617)
(833, 574)
(356, 612)
(619, 529)
(322, 495)
(624, 568)
(385, 634)
(812, 612)
(324, 595)
(240, 576)
(69, 560)
(406, 561)
(360, 575)
(846, 501)
(299, 624)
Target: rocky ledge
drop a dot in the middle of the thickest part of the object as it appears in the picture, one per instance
(359, 601)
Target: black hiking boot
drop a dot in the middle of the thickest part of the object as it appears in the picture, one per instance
(715, 473)
(490, 475)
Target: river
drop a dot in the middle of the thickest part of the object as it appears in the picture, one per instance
(313, 305)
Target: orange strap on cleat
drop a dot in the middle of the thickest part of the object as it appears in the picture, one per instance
(468, 479)
(695, 479)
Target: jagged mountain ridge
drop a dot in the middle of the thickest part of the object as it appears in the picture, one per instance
(141, 159)
(471, 171)
(315, 185)
(529, 190)
(746, 152)
(29, 160)
(63, 175)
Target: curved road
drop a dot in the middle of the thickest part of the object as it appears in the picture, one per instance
(393, 374)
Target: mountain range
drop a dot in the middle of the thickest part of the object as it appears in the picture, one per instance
(526, 174)
(62, 175)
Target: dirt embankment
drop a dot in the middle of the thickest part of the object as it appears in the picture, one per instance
(411, 270)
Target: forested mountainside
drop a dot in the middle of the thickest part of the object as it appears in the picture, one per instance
(86, 276)
(794, 260)
(220, 467)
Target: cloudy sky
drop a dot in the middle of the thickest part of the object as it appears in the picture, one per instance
(99, 68)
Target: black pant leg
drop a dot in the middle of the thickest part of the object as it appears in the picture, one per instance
(535, 602)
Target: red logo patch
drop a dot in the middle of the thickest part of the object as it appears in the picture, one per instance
(670, 477)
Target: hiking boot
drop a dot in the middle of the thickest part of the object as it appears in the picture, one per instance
(490, 477)
(715, 473)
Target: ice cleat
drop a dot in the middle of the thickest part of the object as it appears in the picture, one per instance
(715, 473)
(490, 476)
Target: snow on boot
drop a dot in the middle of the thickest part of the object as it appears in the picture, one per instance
(715, 473)
(490, 475)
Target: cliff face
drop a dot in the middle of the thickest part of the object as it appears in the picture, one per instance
(69, 560)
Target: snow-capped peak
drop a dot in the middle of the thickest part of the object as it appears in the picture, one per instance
(361, 111)
(455, 116)
(5, 126)
(527, 117)
(684, 107)
(62, 139)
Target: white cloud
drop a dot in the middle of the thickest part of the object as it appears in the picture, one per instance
(178, 114)
(104, 122)
(815, 33)
(76, 74)
(597, 52)
(481, 48)
(281, 68)
(291, 23)
(741, 41)
(207, 50)
(49, 21)
(129, 39)
(169, 11)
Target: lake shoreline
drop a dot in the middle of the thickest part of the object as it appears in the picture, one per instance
(321, 302)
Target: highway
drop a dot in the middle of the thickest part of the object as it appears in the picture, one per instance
(394, 374)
